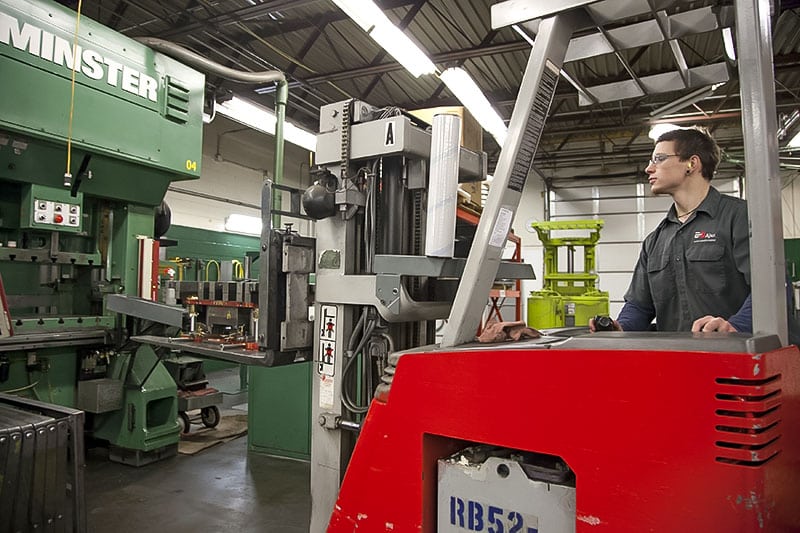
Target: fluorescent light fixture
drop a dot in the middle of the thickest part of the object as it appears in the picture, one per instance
(373, 21)
(786, 123)
(243, 224)
(467, 91)
(727, 40)
(794, 142)
(264, 120)
(657, 130)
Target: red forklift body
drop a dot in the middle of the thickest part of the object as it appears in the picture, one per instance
(664, 432)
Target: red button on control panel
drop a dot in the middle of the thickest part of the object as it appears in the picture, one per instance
(58, 219)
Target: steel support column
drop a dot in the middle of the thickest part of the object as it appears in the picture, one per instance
(763, 180)
(516, 157)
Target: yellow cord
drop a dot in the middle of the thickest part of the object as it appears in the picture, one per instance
(75, 61)
(208, 267)
(238, 269)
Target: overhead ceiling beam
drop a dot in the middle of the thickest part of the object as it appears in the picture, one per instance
(783, 61)
(230, 17)
(117, 15)
(409, 16)
(264, 9)
(455, 55)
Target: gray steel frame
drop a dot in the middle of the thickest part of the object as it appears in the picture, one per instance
(367, 142)
(763, 183)
(330, 446)
(32, 341)
(527, 121)
(759, 124)
(145, 309)
(283, 289)
(235, 353)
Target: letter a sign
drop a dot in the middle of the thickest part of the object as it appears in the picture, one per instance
(388, 138)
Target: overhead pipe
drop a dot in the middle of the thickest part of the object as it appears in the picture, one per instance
(266, 76)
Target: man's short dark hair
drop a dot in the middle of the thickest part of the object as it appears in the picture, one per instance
(695, 141)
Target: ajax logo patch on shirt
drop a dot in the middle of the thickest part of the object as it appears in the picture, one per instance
(704, 236)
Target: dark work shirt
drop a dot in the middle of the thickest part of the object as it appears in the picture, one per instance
(686, 271)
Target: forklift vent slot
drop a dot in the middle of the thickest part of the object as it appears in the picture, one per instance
(749, 382)
(739, 398)
(735, 446)
(748, 431)
(729, 461)
(740, 414)
(177, 101)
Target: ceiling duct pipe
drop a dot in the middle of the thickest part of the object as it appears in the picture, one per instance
(206, 65)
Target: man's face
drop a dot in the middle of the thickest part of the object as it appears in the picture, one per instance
(666, 172)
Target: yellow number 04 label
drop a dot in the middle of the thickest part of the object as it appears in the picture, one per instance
(191, 165)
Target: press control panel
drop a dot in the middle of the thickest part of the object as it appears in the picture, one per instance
(57, 213)
(51, 209)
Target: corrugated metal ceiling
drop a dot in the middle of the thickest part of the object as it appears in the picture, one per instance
(329, 58)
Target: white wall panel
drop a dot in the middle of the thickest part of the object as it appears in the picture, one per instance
(657, 204)
(236, 161)
(531, 209)
(616, 284)
(621, 228)
(790, 206)
(630, 213)
(604, 191)
(616, 257)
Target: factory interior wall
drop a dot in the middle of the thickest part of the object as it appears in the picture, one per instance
(790, 204)
(531, 209)
(629, 212)
(236, 161)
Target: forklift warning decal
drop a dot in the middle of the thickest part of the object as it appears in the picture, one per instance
(326, 357)
(469, 515)
(501, 227)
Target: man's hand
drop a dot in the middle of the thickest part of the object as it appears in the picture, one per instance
(593, 328)
(713, 323)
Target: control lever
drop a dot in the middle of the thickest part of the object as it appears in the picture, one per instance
(603, 323)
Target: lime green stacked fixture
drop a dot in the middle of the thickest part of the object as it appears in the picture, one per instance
(568, 298)
(79, 179)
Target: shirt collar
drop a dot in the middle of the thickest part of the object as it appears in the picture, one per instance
(710, 205)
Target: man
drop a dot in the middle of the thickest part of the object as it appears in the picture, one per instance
(693, 271)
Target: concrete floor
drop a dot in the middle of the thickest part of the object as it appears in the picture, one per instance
(221, 489)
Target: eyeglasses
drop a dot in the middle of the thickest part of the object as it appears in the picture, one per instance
(660, 158)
